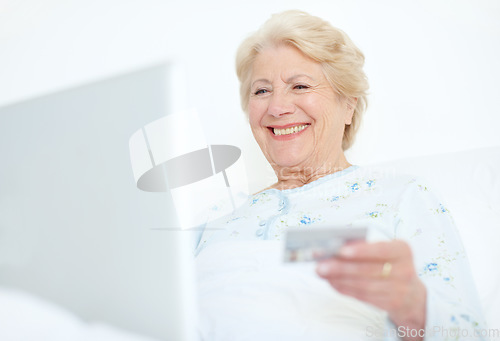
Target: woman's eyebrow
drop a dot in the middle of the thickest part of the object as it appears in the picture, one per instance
(288, 80)
(294, 77)
(263, 80)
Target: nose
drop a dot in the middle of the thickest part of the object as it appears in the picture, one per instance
(280, 103)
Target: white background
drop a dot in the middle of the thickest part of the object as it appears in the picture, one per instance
(432, 65)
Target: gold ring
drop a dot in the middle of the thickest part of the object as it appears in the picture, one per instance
(386, 269)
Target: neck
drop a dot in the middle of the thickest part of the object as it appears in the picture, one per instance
(292, 177)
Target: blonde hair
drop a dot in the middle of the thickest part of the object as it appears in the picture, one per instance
(341, 60)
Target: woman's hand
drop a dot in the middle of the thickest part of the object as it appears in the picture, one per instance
(383, 275)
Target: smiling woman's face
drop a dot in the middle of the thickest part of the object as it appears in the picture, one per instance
(296, 117)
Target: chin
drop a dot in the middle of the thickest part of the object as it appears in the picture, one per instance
(289, 157)
(287, 162)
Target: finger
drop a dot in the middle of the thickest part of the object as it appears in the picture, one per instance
(358, 285)
(334, 268)
(340, 268)
(382, 251)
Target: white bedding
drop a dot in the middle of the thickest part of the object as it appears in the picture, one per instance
(24, 317)
(248, 293)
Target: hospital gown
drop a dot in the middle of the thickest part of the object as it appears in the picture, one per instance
(392, 206)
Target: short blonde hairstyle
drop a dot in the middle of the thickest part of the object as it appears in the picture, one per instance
(341, 60)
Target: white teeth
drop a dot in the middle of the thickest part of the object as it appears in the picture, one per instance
(291, 130)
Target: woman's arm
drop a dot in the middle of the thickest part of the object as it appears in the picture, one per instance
(430, 284)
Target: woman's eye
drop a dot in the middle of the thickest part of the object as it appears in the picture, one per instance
(260, 92)
(301, 87)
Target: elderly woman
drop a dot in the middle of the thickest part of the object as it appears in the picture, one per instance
(304, 90)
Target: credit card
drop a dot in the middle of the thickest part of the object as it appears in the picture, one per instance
(313, 244)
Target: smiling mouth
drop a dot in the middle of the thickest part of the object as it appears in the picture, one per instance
(289, 130)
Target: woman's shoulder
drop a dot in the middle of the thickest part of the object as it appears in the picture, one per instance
(388, 180)
(389, 176)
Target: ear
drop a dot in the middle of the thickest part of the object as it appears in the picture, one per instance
(350, 106)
